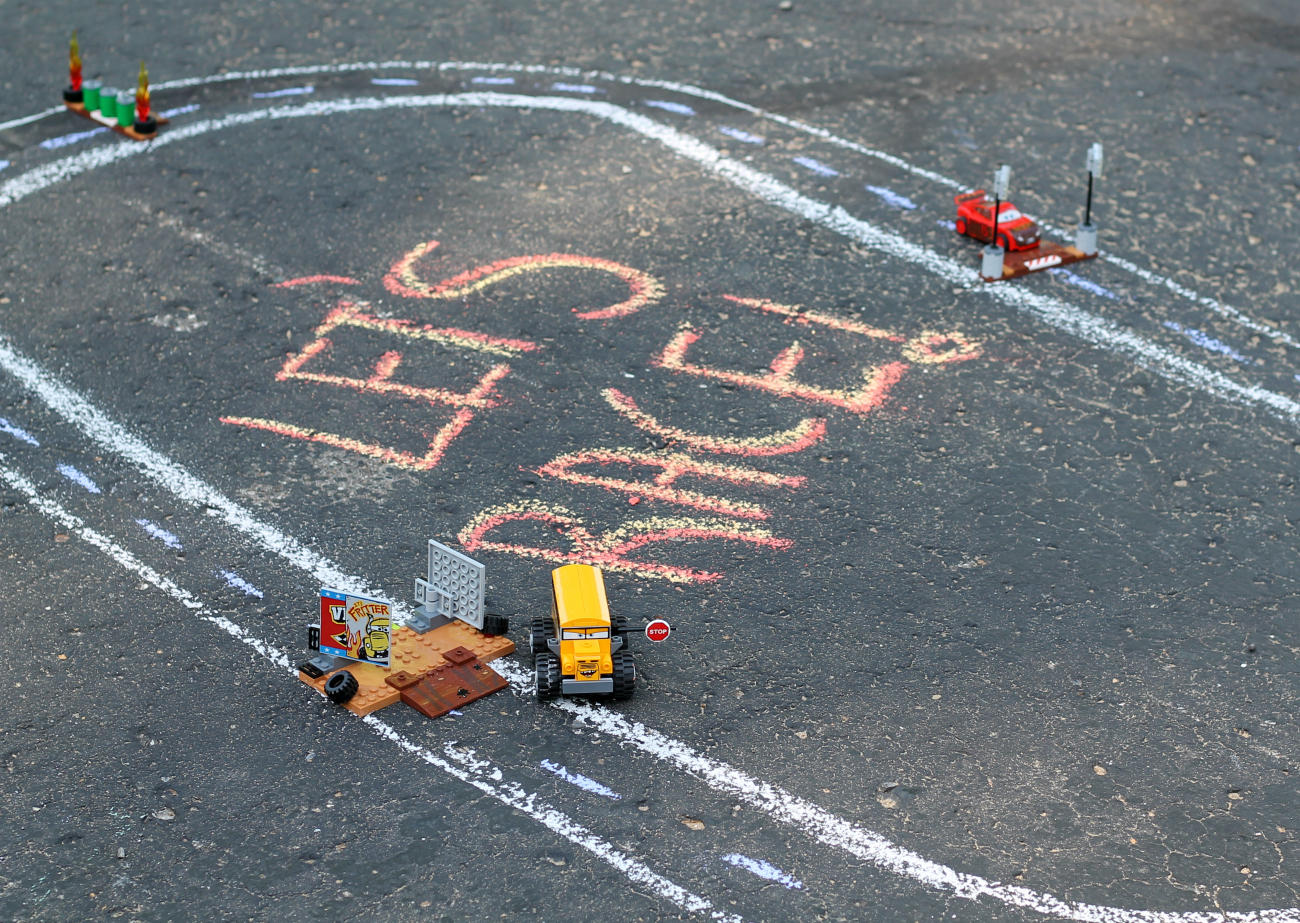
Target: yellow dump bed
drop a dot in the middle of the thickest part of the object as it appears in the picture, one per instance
(580, 596)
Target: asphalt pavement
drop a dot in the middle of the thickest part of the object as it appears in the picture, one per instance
(983, 595)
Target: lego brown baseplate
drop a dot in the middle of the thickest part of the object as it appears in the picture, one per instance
(414, 654)
(1046, 255)
(463, 679)
(127, 130)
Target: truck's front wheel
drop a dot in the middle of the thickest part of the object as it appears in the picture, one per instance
(547, 671)
(624, 674)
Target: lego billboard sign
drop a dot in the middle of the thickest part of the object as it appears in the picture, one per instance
(355, 627)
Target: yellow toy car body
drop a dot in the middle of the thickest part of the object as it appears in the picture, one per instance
(580, 648)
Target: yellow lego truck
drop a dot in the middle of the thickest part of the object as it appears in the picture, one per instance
(578, 648)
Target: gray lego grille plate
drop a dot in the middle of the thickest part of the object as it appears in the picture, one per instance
(460, 577)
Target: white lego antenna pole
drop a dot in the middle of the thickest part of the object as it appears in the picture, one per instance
(1086, 238)
(991, 266)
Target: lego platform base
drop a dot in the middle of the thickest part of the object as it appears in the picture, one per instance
(414, 654)
(1044, 256)
(127, 130)
(461, 680)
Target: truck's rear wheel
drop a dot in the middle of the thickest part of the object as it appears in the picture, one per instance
(543, 628)
(624, 674)
(547, 672)
(620, 629)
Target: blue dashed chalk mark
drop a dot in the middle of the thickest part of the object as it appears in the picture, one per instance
(892, 198)
(76, 477)
(741, 135)
(763, 870)
(160, 533)
(575, 88)
(53, 144)
(950, 225)
(394, 82)
(587, 785)
(17, 432)
(239, 583)
(670, 107)
(3, 164)
(182, 110)
(289, 91)
(1085, 284)
(495, 81)
(1209, 342)
(816, 166)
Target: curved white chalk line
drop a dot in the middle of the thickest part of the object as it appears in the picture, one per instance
(1054, 312)
(779, 804)
(479, 773)
(687, 89)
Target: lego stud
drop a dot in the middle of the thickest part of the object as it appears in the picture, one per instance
(145, 123)
(73, 94)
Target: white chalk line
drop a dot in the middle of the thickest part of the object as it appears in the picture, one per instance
(479, 773)
(1146, 275)
(28, 119)
(779, 804)
(1076, 321)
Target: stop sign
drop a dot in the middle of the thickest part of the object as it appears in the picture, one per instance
(658, 630)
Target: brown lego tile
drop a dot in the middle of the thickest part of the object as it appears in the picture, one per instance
(1047, 255)
(128, 130)
(454, 684)
(416, 655)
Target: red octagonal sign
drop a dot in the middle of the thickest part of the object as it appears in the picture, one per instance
(658, 630)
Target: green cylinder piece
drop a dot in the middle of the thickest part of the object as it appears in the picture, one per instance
(126, 108)
(108, 102)
(90, 94)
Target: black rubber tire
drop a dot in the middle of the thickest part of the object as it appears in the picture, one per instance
(547, 673)
(543, 628)
(341, 687)
(1003, 242)
(494, 625)
(620, 629)
(624, 674)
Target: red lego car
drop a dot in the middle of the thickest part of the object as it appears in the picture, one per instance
(975, 219)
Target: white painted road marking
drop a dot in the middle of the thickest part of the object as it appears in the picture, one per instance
(777, 803)
(1146, 275)
(1099, 331)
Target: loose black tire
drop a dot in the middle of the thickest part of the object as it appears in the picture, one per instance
(495, 624)
(624, 674)
(341, 687)
(547, 671)
(543, 628)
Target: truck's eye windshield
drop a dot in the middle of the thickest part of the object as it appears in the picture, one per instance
(576, 634)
